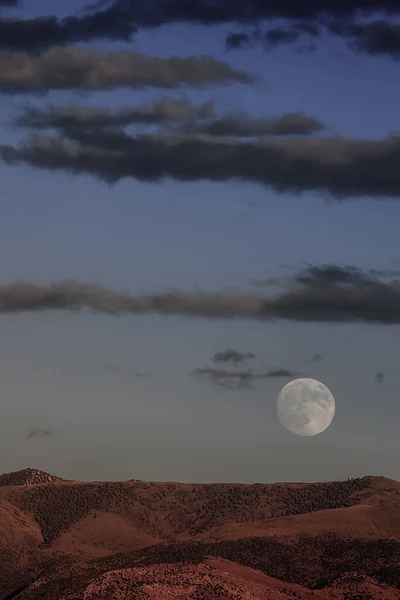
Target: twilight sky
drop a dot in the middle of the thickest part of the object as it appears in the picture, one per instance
(192, 216)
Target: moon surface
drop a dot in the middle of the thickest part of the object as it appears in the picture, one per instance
(305, 406)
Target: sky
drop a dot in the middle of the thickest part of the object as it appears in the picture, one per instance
(168, 195)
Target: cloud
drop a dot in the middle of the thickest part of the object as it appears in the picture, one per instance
(305, 20)
(282, 373)
(73, 67)
(242, 125)
(121, 19)
(379, 376)
(339, 166)
(274, 36)
(353, 296)
(240, 379)
(39, 432)
(180, 114)
(39, 33)
(233, 356)
(374, 38)
(236, 380)
(315, 358)
(157, 13)
(164, 111)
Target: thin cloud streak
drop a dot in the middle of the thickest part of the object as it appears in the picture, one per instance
(75, 68)
(241, 379)
(180, 115)
(352, 297)
(39, 432)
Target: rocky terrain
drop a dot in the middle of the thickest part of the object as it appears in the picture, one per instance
(69, 540)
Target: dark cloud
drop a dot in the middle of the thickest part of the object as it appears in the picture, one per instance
(303, 20)
(153, 14)
(276, 36)
(309, 297)
(240, 379)
(283, 373)
(338, 166)
(315, 358)
(180, 114)
(328, 274)
(271, 37)
(74, 67)
(374, 38)
(236, 380)
(379, 377)
(232, 356)
(39, 33)
(234, 41)
(120, 20)
(243, 125)
(39, 432)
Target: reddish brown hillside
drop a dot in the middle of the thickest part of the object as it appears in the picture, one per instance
(293, 540)
(27, 477)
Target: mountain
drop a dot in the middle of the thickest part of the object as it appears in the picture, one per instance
(70, 540)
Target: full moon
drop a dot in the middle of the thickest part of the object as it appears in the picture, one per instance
(305, 406)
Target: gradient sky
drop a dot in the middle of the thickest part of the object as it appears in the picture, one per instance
(144, 237)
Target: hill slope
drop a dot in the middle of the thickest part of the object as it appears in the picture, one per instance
(307, 535)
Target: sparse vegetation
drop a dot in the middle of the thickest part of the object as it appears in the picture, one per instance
(177, 512)
(170, 509)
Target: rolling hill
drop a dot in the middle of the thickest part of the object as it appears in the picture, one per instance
(71, 540)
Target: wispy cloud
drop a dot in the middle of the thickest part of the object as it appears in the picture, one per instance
(339, 166)
(180, 115)
(39, 432)
(315, 294)
(315, 358)
(77, 68)
(163, 111)
(241, 378)
(232, 356)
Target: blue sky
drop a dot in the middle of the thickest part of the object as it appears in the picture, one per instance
(146, 237)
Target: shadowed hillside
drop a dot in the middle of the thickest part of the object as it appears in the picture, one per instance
(307, 535)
